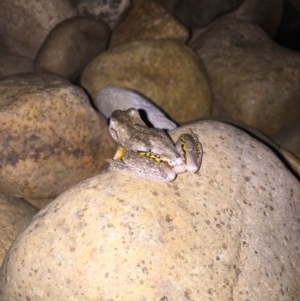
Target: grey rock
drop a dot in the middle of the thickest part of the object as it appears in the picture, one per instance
(111, 98)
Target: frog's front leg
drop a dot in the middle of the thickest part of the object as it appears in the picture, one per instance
(190, 148)
(142, 165)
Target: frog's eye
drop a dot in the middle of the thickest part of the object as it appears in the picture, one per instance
(134, 113)
(114, 134)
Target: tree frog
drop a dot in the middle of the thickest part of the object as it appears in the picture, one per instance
(150, 153)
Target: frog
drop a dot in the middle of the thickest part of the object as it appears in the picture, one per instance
(150, 153)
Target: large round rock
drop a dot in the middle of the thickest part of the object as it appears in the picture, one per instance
(50, 136)
(229, 232)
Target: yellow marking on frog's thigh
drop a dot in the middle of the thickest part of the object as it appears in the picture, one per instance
(151, 156)
(183, 147)
(120, 153)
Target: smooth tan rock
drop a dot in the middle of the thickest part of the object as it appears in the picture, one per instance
(14, 64)
(71, 45)
(110, 11)
(15, 213)
(50, 136)
(229, 232)
(265, 13)
(25, 24)
(167, 72)
(148, 20)
(253, 79)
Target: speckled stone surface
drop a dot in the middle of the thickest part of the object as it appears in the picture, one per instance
(167, 72)
(229, 232)
(50, 136)
(15, 213)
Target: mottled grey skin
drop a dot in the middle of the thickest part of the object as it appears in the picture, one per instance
(128, 129)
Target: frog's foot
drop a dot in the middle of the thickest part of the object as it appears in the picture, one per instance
(191, 151)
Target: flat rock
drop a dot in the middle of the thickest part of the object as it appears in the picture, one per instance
(111, 98)
(50, 136)
(15, 213)
(166, 72)
(110, 11)
(228, 232)
(253, 79)
(25, 24)
(148, 20)
(71, 45)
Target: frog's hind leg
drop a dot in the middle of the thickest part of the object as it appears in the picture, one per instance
(143, 167)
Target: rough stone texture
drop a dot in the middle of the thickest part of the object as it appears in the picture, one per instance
(14, 64)
(148, 20)
(265, 13)
(205, 11)
(229, 232)
(166, 72)
(25, 24)
(14, 215)
(110, 11)
(253, 79)
(71, 45)
(50, 136)
(289, 138)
